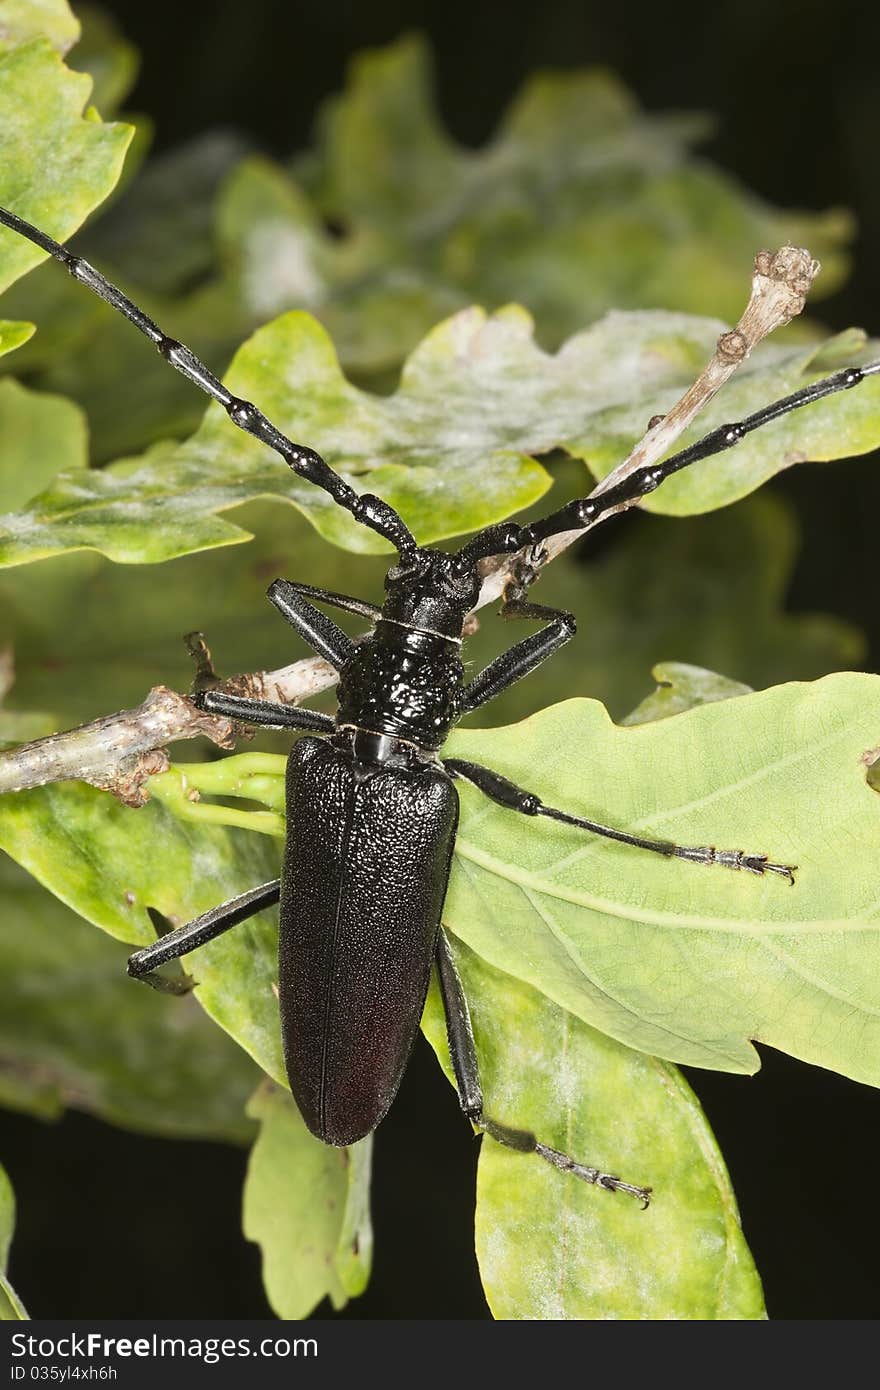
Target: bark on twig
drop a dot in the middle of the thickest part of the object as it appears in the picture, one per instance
(121, 751)
(118, 752)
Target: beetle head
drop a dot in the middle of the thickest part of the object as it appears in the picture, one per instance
(431, 589)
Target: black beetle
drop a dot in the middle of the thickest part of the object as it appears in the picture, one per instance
(372, 810)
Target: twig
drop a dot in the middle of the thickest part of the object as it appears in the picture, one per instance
(120, 752)
(780, 285)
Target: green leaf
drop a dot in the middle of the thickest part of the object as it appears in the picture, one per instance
(110, 863)
(158, 231)
(682, 239)
(107, 56)
(7, 1217)
(11, 1308)
(63, 319)
(274, 236)
(681, 687)
(307, 1206)
(13, 334)
(57, 163)
(549, 1245)
(580, 202)
(834, 427)
(453, 449)
(383, 155)
(671, 958)
(76, 1031)
(161, 232)
(23, 20)
(38, 436)
(115, 622)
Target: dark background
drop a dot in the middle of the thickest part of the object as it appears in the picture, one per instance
(796, 92)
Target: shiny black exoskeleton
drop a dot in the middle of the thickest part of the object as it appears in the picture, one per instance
(403, 683)
(372, 809)
(353, 970)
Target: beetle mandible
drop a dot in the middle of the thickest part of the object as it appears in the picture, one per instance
(372, 809)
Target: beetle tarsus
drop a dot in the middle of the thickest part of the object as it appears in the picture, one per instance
(163, 984)
(523, 1141)
(735, 859)
(760, 864)
(607, 1181)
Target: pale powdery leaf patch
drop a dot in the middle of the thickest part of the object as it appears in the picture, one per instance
(453, 449)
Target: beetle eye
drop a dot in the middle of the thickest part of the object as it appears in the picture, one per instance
(397, 572)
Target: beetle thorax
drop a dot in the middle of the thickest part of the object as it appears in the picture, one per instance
(406, 678)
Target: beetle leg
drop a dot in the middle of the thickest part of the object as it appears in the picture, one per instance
(264, 712)
(143, 965)
(514, 798)
(313, 626)
(347, 602)
(522, 658)
(463, 1052)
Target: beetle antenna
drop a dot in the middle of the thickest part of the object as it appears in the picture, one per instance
(370, 511)
(588, 511)
(508, 537)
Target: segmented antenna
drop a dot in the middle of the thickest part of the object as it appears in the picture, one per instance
(370, 511)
